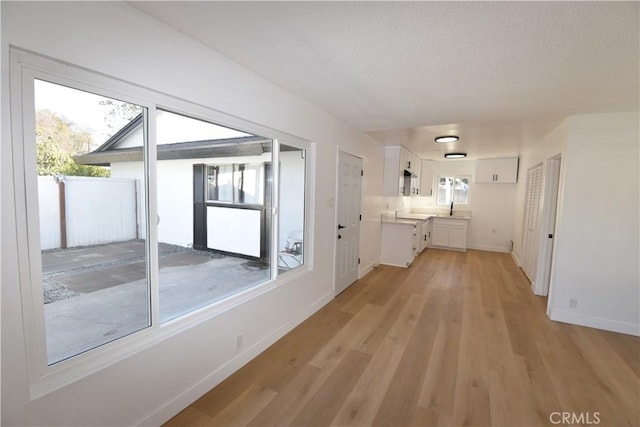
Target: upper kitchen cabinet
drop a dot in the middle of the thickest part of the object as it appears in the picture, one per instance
(426, 178)
(401, 172)
(503, 171)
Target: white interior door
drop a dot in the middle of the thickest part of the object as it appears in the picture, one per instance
(348, 226)
(549, 208)
(531, 222)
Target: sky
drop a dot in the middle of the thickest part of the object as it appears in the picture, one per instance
(84, 109)
(80, 107)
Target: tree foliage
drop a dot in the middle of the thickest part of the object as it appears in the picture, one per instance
(119, 113)
(57, 141)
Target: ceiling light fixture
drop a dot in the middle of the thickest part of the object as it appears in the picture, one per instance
(444, 139)
(455, 155)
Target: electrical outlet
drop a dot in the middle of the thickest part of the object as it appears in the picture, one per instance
(239, 342)
(573, 303)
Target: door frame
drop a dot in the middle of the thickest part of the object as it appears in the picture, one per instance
(548, 227)
(334, 203)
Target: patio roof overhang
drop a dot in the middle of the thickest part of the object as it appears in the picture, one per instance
(234, 147)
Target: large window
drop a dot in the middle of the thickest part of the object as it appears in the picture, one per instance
(95, 286)
(214, 234)
(142, 215)
(453, 189)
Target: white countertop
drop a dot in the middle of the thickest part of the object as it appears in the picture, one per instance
(454, 216)
(387, 219)
(420, 217)
(465, 215)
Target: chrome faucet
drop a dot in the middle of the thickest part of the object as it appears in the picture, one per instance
(451, 210)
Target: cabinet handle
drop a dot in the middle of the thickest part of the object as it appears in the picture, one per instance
(417, 191)
(409, 165)
(431, 192)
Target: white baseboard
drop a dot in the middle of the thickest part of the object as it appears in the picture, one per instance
(488, 248)
(595, 322)
(515, 259)
(190, 395)
(368, 269)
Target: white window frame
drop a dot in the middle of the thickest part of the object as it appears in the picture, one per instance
(25, 67)
(439, 203)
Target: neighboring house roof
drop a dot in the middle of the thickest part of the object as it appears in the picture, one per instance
(109, 152)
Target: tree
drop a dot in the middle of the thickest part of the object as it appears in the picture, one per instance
(49, 157)
(71, 168)
(57, 140)
(118, 113)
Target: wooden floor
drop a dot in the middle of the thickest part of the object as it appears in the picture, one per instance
(457, 339)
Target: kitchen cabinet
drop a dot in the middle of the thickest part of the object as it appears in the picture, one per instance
(425, 234)
(504, 171)
(449, 233)
(426, 178)
(400, 242)
(401, 172)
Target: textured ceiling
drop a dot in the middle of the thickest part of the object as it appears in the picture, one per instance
(485, 67)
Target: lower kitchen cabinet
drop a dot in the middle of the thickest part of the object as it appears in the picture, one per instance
(449, 233)
(425, 234)
(400, 243)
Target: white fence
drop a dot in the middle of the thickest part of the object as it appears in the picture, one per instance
(95, 210)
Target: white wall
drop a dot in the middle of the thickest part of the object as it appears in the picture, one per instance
(135, 171)
(162, 377)
(491, 206)
(596, 246)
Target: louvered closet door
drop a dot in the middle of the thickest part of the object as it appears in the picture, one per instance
(532, 221)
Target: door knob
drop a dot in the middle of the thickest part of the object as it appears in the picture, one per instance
(340, 227)
(339, 236)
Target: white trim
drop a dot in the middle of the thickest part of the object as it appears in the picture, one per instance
(515, 259)
(595, 322)
(274, 240)
(489, 248)
(150, 186)
(169, 409)
(448, 248)
(310, 206)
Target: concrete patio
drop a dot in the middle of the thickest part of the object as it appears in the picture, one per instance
(102, 292)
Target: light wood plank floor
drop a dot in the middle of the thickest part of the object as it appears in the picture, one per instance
(457, 339)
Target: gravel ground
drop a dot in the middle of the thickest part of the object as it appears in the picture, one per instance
(53, 291)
